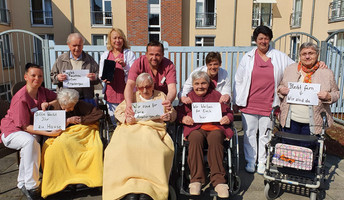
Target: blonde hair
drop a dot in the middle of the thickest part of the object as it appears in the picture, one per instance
(121, 33)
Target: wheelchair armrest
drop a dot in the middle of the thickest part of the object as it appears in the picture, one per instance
(296, 137)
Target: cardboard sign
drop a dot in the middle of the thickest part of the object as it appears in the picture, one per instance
(148, 110)
(206, 112)
(303, 93)
(49, 120)
(76, 79)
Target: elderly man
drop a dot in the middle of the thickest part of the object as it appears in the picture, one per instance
(161, 69)
(76, 59)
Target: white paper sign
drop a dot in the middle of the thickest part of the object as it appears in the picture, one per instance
(148, 110)
(303, 93)
(49, 120)
(76, 79)
(206, 112)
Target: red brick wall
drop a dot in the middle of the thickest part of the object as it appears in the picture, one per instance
(137, 24)
(171, 22)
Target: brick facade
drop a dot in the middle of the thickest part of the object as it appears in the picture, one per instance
(137, 22)
(171, 22)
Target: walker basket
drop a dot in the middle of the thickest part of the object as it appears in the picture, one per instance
(297, 157)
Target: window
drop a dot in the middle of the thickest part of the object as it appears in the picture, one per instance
(5, 91)
(41, 12)
(101, 13)
(7, 55)
(336, 10)
(203, 41)
(262, 14)
(37, 50)
(154, 28)
(296, 16)
(99, 39)
(4, 12)
(295, 47)
(205, 14)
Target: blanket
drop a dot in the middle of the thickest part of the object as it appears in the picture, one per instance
(74, 157)
(137, 160)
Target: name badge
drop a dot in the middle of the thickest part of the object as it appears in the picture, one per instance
(163, 80)
(34, 109)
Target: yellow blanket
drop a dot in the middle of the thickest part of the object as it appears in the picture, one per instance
(73, 157)
(138, 160)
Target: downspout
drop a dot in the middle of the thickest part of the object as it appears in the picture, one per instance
(71, 16)
(234, 24)
(312, 18)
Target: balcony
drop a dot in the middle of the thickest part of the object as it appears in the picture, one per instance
(41, 17)
(205, 20)
(101, 18)
(295, 19)
(5, 16)
(336, 11)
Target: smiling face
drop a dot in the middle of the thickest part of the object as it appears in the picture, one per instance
(145, 89)
(213, 68)
(76, 45)
(200, 86)
(154, 56)
(34, 77)
(262, 42)
(308, 57)
(116, 41)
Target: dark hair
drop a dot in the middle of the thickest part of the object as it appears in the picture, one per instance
(264, 30)
(155, 44)
(31, 65)
(213, 56)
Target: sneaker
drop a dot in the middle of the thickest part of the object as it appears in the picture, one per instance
(195, 188)
(261, 169)
(222, 190)
(250, 168)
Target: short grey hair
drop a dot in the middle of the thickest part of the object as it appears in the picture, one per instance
(310, 45)
(142, 77)
(75, 35)
(200, 74)
(67, 96)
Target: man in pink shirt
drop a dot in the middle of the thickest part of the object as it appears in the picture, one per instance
(161, 69)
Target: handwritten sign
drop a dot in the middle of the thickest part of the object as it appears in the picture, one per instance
(303, 93)
(76, 79)
(206, 112)
(148, 110)
(49, 120)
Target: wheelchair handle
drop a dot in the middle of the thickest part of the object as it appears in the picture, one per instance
(324, 118)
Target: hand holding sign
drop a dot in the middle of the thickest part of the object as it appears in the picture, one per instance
(76, 79)
(49, 120)
(206, 112)
(148, 110)
(303, 93)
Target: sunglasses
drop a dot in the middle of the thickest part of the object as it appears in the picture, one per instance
(145, 87)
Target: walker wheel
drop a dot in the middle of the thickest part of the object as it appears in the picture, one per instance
(272, 190)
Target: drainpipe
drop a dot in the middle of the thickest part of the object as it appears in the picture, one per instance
(71, 16)
(312, 18)
(234, 24)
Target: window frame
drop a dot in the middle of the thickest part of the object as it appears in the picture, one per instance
(6, 21)
(259, 15)
(44, 13)
(336, 11)
(104, 13)
(104, 39)
(203, 18)
(154, 29)
(296, 15)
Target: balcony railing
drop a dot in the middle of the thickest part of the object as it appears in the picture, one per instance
(101, 18)
(205, 20)
(5, 16)
(41, 17)
(295, 19)
(336, 11)
(261, 19)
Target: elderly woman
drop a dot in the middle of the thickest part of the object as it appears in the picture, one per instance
(118, 51)
(304, 119)
(139, 156)
(214, 133)
(76, 155)
(218, 76)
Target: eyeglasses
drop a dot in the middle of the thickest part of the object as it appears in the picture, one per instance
(311, 53)
(145, 87)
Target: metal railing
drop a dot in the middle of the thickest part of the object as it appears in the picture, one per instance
(5, 16)
(336, 11)
(205, 20)
(41, 17)
(295, 19)
(261, 19)
(101, 18)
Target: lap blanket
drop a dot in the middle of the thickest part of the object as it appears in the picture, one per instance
(138, 160)
(74, 157)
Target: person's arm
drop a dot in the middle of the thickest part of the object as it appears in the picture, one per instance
(171, 95)
(333, 95)
(94, 71)
(128, 96)
(129, 58)
(53, 133)
(55, 75)
(88, 113)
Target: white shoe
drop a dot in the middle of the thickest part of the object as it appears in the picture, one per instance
(222, 190)
(250, 167)
(195, 188)
(261, 169)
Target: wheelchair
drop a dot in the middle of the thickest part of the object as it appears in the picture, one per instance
(295, 168)
(180, 170)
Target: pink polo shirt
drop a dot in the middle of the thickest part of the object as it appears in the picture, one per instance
(166, 72)
(261, 95)
(115, 90)
(22, 109)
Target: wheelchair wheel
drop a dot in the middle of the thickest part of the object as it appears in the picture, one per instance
(236, 184)
(171, 193)
(272, 190)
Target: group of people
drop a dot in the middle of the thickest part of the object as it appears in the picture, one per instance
(138, 160)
